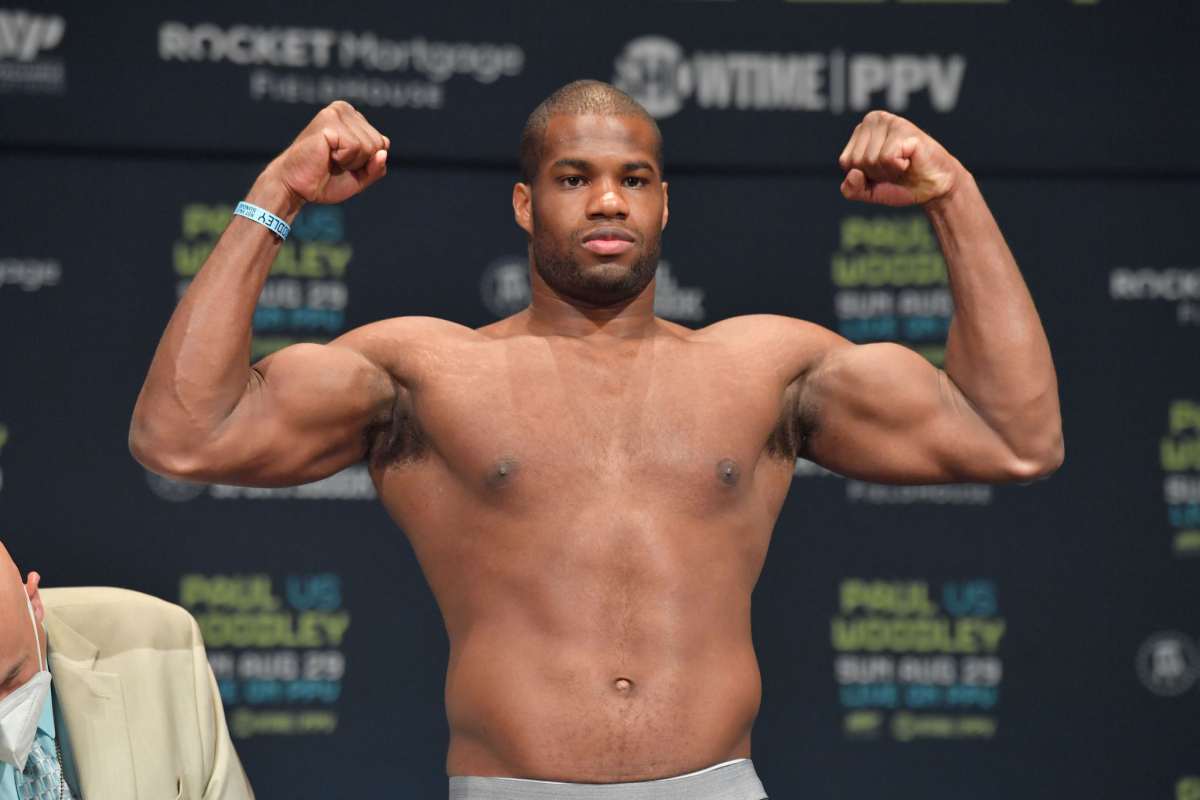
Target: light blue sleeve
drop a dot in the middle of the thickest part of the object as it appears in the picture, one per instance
(8, 782)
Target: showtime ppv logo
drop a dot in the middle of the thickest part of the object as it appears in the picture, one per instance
(658, 73)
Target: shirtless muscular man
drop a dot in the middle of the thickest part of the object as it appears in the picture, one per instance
(589, 489)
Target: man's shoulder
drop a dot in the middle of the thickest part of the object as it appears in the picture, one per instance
(402, 342)
(770, 344)
(120, 617)
(754, 329)
(406, 329)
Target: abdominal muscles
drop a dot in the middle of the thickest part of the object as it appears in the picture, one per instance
(604, 649)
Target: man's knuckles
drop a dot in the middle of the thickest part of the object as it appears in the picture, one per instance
(340, 108)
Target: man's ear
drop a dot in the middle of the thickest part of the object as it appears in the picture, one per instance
(665, 211)
(35, 599)
(523, 206)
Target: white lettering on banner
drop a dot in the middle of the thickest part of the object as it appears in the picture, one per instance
(30, 274)
(247, 45)
(244, 45)
(903, 76)
(352, 483)
(807, 469)
(1154, 284)
(505, 290)
(358, 90)
(962, 494)
(504, 286)
(23, 35)
(657, 72)
(1181, 285)
(1181, 489)
(673, 301)
(437, 60)
(873, 493)
(793, 81)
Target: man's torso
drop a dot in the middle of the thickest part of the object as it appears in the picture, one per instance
(590, 514)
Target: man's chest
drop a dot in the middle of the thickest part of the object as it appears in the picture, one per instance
(545, 417)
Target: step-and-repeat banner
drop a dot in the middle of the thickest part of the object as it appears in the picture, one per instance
(764, 84)
(955, 641)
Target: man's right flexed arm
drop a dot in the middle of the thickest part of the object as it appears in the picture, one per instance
(300, 414)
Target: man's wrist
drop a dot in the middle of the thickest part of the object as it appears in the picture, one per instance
(272, 194)
(962, 185)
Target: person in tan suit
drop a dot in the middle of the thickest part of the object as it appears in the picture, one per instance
(107, 695)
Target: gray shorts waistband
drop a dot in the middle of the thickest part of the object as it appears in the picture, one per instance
(733, 781)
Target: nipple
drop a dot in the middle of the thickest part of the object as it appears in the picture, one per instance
(501, 472)
(728, 472)
(623, 685)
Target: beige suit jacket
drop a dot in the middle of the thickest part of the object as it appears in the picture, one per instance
(143, 714)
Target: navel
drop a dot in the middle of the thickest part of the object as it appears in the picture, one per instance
(501, 472)
(623, 685)
(728, 472)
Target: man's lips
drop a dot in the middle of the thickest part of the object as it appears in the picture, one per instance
(608, 241)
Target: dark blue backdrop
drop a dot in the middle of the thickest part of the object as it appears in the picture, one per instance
(1036, 641)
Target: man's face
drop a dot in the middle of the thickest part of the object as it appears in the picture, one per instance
(19, 646)
(596, 210)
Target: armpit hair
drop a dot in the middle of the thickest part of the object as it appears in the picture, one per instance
(797, 419)
(397, 439)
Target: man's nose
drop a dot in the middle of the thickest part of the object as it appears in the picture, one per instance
(607, 202)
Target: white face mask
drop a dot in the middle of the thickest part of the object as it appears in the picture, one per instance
(21, 710)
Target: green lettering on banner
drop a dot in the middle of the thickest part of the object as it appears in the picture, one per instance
(860, 723)
(1180, 455)
(938, 635)
(312, 260)
(891, 233)
(899, 598)
(200, 219)
(1184, 415)
(906, 727)
(886, 269)
(263, 346)
(1187, 542)
(310, 629)
(244, 723)
(339, 256)
(227, 592)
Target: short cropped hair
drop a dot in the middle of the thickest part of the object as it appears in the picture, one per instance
(575, 100)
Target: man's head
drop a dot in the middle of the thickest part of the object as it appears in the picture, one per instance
(19, 645)
(591, 196)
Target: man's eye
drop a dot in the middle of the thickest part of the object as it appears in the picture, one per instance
(634, 183)
(573, 181)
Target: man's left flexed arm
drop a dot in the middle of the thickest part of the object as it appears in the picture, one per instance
(993, 413)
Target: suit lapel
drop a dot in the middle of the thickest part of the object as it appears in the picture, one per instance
(93, 706)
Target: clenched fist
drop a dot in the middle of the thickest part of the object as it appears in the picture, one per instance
(891, 161)
(337, 156)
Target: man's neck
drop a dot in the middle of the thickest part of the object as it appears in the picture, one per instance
(555, 314)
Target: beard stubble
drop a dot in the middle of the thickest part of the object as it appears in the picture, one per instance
(606, 285)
